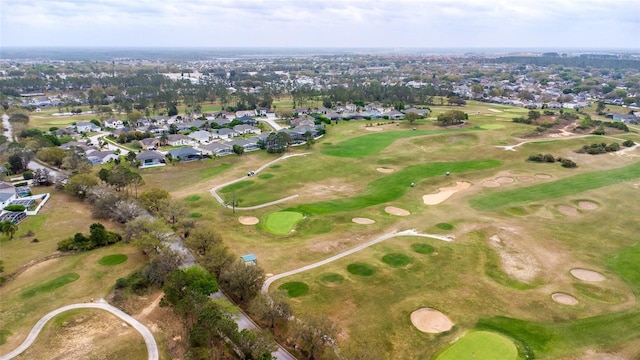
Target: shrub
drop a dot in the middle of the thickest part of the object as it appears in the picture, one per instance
(16, 208)
(521, 120)
(612, 147)
(536, 158)
(549, 158)
(628, 143)
(568, 163)
(27, 175)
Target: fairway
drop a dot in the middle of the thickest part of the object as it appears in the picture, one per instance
(282, 222)
(481, 345)
(51, 285)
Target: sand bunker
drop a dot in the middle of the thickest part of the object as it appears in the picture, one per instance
(385, 170)
(504, 179)
(396, 211)
(587, 205)
(565, 299)
(587, 275)
(525, 178)
(494, 110)
(543, 176)
(248, 220)
(373, 128)
(268, 275)
(445, 193)
(431, 321)
(567, 210)
(490, 183)
(363, 221)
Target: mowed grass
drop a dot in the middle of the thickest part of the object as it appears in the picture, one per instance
(50, 285)
(481, 345)
(295, 289)
(559, 188)
(235, 186)
(396, 259)
(393, 186)
(372, 143)
(113, 259)
(282, 222)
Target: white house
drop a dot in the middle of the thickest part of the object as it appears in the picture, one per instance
(7, 194)
(226, 133)
(246, 129)
(201, 136)
(114, 124)
(85, 126)
(101, 157)
(179, 140)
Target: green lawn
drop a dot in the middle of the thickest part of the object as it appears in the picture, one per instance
(235, 186)
(295, 289)
(282, 222)
(480, 345)
(113, 259)
(50, 285)
(393, 186)
(563, 187)
(372, 143)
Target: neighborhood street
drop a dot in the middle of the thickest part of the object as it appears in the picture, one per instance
(152, 347)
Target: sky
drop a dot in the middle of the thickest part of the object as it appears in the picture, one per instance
(321, 23)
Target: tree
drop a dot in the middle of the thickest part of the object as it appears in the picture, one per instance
(312, 334)
(174, 211)
(125, 210)
(533, 115)
(309, 140)
(148, 234)
(52, 155)
(241, 281)
(451, 117)
(272, 306)
(8, 228)
(42, 177)
(154, 199)
(238, 149)
(600, 107)
(202, 239)
(19, 117)
(411, 117)
(80, 184)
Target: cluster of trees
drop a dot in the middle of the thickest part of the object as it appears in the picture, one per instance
(452, 117)
(548, 158)
(122, 176)
(276, 142)
(599, 148)
(98, 237)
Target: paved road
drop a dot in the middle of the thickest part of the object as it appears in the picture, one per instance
(152, 347)
(269, 281)
(214, 191)
(272, 122)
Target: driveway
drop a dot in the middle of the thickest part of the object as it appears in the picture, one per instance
(152, 347)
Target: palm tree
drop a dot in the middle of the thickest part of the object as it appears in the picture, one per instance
(9, 228)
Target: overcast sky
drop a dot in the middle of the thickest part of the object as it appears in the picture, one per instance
(322, 23)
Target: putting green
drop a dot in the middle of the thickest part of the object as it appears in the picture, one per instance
(295, 288)
(361, 269)
(444, 226)
(421, 248)
(331, 279)
(396, 260)
(113, 259)
(282, 222)
(481, 345)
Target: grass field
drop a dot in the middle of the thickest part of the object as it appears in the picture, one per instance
(50, 285)
(113, 259)
(480, 345)
(282, 222)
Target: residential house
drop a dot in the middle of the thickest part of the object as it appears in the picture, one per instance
(246, 129)
(114, 124)
(394, 115)
(262, 111)
(247, 113)
(76, 144)
(201, 136)
(85, 126)
(179, 140)
(7, 194)
(248, 120)
(150, 158)
(421, 112)
(249, 260)
(247, 144)
(303, 121)
(221, 121)
(150, 143)
(217, 149)
(226, 133)
(185, 154)
(101, 157)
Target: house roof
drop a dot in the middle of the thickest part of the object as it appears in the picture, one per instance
(183, 152)
(147, 155)
(216, 146)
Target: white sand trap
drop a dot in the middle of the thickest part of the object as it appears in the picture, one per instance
(567, 210)
(445, 193)
(504, 179)
(363, 221)
(565, 299)
(396, 211)
(587, 275)
(248, 220)
(385, 170)
(268, 275)
(490, 183)
(373, 128)
(431, 321)
(525, 178)
(495, 110)
(543, 176)
(587, 205)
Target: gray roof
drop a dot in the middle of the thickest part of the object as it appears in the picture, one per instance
(149, 155)
(183, 151)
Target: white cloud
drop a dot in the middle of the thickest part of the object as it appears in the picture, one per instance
(383, 23)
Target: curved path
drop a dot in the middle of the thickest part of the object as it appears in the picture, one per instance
(214, 191)
(513, 147)
(269, 281)
(152, 347)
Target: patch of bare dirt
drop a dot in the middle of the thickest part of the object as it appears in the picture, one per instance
(567, 210)
(515, 262)
(587, 275)
(248, 220)
(431, 321)
(330, 189)
(543, 176)
(373, 128)
(363, 221)
(504, 179)
(526, 178)
(396, 211)
(444, 193)
(565, 299)
(587, 205)
(490, 183)
(385, 170)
